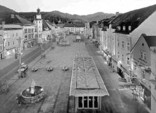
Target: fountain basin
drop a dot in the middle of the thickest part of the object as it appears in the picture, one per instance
(29, 98)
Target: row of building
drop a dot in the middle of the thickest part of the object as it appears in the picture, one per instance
(17, 33)
(128, 43)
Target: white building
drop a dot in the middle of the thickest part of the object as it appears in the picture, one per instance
(12, 39)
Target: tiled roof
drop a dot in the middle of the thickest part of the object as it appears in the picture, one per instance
(16, 19)
(86, 80)
(148, 27)
(151, 40)
(134, 18)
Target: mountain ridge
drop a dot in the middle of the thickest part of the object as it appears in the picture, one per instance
(56, 15)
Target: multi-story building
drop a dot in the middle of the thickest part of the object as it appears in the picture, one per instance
(128, 40)
(153, 80)
(117, 38)
(75, 28)
(12, 39)
(28, 29)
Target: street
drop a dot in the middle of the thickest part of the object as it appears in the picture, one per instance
(57, 83)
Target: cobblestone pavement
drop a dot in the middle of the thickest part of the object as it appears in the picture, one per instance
(56, 83)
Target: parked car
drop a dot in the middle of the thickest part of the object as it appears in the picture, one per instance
(23, 67)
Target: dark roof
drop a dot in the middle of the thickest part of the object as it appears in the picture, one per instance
(74, 24)
(45, 26)
(134, 18)
(151, 40)
(79, 24)
(16, 19)
(68, 25)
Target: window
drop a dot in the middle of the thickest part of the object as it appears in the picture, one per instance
(118, 44)
(122, 44)
(80, 104)
(123, 58)
(85, 102)
(143, 55)
(8, 43)
(124, 28)
(128, 61)
(119, 28)
(25, 30)
(95, 102)
(88, 102)
(118, 55)
(129, 28)
(128, 46)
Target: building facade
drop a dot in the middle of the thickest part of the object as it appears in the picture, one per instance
(12, 39)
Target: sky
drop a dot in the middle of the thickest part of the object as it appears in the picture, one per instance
(81, 7)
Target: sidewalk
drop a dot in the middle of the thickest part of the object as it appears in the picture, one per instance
(130, 104)
(6, 62)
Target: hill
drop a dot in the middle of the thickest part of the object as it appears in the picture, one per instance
(55, 16)
(91, 17)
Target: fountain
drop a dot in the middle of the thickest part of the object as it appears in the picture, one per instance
(32, 94)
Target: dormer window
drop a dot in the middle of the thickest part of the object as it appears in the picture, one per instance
(119, 28)
(129, 28)
(124, 28)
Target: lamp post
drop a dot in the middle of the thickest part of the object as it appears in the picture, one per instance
(19, 52)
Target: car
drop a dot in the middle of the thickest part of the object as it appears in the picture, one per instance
(34, 69)
(50, 68)
(23, 67)
(65, 68)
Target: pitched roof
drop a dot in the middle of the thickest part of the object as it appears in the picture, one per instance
(148, 27)
(79, 24)
(11, 26)
(45, 26)
(76, 24)
(135, 17)
(68, 25)
(16, 19)
(151, 40)
(86, 80)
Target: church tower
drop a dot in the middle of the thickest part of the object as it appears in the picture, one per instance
(39, 26)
